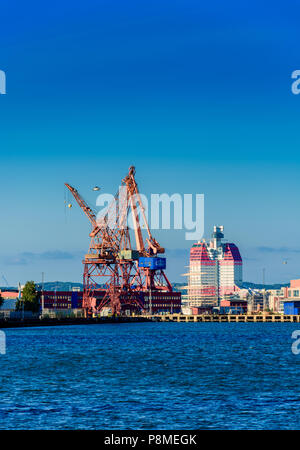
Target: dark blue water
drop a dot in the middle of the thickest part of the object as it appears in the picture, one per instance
(151, 376)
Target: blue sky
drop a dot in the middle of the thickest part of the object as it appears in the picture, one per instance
(197, 95)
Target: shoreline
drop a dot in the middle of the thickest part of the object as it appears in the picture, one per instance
(66, 321)
(175, 318)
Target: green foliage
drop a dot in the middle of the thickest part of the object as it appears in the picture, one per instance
(30, 298)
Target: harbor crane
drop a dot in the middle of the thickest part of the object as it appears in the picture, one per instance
(115, 274)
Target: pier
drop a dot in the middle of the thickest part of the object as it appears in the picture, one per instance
(226, 318)
(240, 318)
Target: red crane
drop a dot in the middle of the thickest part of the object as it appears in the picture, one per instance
(154, 276)
(115, 274)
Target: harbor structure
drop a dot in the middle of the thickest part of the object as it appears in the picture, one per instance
(215, 271)
(127, 269)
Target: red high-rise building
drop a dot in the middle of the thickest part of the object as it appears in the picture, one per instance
(215, 271)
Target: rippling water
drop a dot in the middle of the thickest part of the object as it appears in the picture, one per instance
(151, 376)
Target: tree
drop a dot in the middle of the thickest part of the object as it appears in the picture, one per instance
(30, 298)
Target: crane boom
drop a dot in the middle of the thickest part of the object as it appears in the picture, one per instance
(101, 227)
(83, 205)
(135, 200)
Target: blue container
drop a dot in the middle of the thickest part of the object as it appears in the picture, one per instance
(291, 308)
(74, 300)
(153, 263)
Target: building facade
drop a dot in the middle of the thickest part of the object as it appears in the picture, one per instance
(276, 298)
(233, 306)
(215, 271)
(293, 291)
(68, 302)
(61, 303)
(292, 298)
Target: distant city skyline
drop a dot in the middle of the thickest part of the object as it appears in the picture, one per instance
(196, 96)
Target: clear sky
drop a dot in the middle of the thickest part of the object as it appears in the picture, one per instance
(197, 95)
